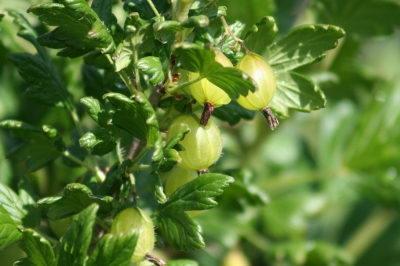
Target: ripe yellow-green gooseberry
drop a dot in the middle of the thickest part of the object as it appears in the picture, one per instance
(136, 220)
(208, 94)
(261, 72)
(203, 144)
(176, 178)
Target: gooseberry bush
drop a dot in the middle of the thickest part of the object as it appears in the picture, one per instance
(159, 80)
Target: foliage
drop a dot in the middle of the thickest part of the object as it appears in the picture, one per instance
(87, 138)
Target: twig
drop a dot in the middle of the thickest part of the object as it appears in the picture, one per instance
(237, 40)
(153, 8)
(156, 261)
(99, 174)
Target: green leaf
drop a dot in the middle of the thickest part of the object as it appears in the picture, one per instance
(196, 21)
(202, 36)
(213, 11)
(196, 59)
(261, 35)
(182, 232)
(298, 92)
(76, 198)
(302, 46)
(164, 31)
(151, 66)
(198, 194)
(99, 141)
(116, 176)
(42, 146)
(28, 202)
(182, 263)
(103, 9)
(226, 42)
(9, 232)
(369, 18)
(27, 32)
(13, 205)
(373, 143)
(48, 88)
(144, 9)
(75, 150)
(232, 113)
(130, 116)
(38, 249)
(93, 82)
(97, 111)
(139, 35)
(113, 250)
(79, 30)
(77, 239)
(174, 141)
(157, 188)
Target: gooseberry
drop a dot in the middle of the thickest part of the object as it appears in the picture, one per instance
(203, 144)
(208, 94)
(136, 220)
(261, 72)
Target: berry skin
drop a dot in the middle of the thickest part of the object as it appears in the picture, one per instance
(203, 144)
(136, 220)
(258, 69)
(204, 91)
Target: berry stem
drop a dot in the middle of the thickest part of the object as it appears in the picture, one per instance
(207, 112)
(156, 261)
(272, 120)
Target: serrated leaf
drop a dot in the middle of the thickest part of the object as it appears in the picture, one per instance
(182, 263)
(79, 30)
(93, 82)
(75, 150)
(196, 21)
(38, 249)
(97, 111)
(9, 233)
(202, 36)
(115, 177)
(48, 88)
(76, 198)
(140, 36)
(113, 250)
(227, 41)
(99, 141)
(301, 46)
(77, 239)
(214, 11)
(171, 144)
(152, 66)
(373, 143)
(130, 117)
(13, 205)
(261, 35)
(28, 202)
(144, 9)
(181, 231)
(232, 113)
(196, 59)
(164, 31)
(103, 9)
(368, 18)
(157, 188)
(298, 92)
(42, 146)
(27, 32)
(198, 194)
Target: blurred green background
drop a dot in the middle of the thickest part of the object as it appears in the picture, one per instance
(322, 189)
